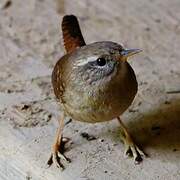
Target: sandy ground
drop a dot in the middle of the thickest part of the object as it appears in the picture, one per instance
(30, 45)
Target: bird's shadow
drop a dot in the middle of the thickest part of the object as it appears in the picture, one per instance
(157, 129)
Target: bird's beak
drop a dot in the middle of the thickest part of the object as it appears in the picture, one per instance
(129, 52)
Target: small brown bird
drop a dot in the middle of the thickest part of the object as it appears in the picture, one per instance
(93, 83)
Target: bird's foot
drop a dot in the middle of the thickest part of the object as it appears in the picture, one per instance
(57, 155)
(56, 158)
(132, 150)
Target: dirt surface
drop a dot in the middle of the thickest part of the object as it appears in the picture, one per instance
(30, 45)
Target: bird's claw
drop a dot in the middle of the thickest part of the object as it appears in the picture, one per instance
(58, 155)
(56, 158)
(133, 150)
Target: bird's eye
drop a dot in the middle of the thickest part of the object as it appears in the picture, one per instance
(101, 62)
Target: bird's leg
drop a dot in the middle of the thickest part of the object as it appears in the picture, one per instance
(131, 149)
(58, 147)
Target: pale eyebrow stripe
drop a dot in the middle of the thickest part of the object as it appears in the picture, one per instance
(82, 62)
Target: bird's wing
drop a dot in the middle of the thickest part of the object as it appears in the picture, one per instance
(58, 77)
(72, 33)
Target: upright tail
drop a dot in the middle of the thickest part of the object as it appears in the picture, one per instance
(72, 33)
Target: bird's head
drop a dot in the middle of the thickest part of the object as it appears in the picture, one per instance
(101, 60)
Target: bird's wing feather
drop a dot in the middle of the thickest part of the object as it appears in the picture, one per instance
(72, 33)
(58, 76)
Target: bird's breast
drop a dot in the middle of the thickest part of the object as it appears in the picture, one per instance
(100, 102)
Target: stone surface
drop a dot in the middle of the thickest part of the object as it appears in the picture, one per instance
(30, 45)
